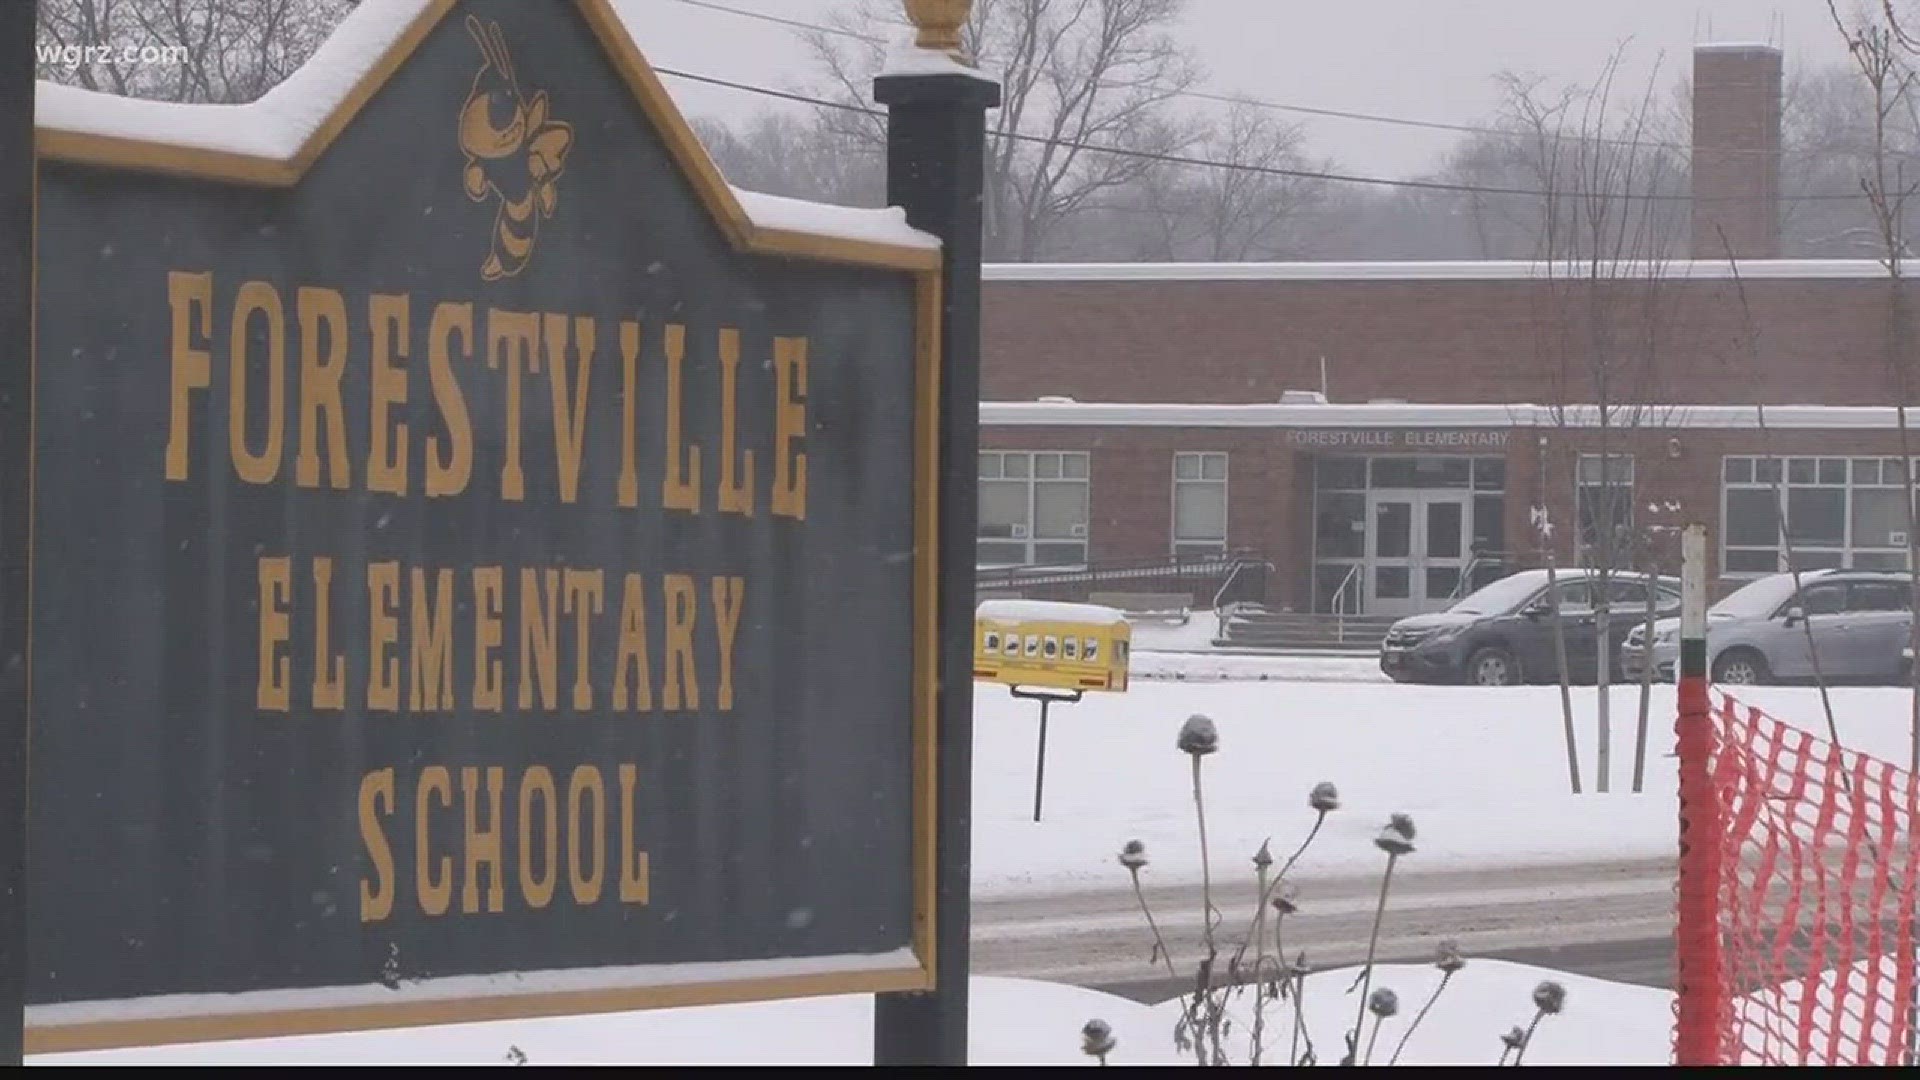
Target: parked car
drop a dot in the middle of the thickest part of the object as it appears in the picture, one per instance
(1502, 634)
(1855, 622)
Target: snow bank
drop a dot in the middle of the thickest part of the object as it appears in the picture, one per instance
(1482, 771)
(1604, 1023)
(1018, 611)
(469, 987)
(1201, 665)
(1012, 1021)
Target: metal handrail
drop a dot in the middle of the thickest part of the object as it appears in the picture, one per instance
(1222, 612)
(1340, 603)
(1238, 566)
(1479, 559)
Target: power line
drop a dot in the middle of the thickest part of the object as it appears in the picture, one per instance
(793, 24)
(1276, 106)
(1266, 170)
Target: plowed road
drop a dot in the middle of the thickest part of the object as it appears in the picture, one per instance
(1609, 920)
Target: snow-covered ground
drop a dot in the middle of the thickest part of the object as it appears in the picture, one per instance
(1196, 633)
(1013, 1021)
(1185, 653)
(1202, 665)
(1482, 771)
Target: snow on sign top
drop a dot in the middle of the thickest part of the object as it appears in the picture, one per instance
(1018, 611)
(276, 126)
(290, 124)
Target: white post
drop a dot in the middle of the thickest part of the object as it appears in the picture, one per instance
(1693, 591)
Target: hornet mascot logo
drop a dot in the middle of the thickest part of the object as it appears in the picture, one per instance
(515, 154)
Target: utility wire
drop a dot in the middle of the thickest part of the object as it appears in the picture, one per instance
(1265, 170)
(1276, 106)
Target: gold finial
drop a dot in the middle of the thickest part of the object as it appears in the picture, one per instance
(939, 23)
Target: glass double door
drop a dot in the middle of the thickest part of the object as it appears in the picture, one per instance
(1417, 549)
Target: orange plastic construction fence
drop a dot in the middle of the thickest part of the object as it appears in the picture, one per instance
(1797, 896)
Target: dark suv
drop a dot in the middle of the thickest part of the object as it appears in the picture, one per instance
(1502, 635)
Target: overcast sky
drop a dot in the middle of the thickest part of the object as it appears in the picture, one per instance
(1422, 59)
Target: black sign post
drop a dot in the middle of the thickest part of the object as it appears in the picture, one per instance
(16, 389)
(1046, 698)
(936, 153)
(483, 563)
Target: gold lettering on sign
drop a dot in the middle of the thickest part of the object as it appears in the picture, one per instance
(329, 667)
(257, 298)
(449, 475)
(383, 630)
(276, 581)
(376, 800)
(680, 489)
(512, 339)
(435, 890)
(192, 368)
(736, 465)
(569, 396)
(323, 313)
(790, 425)
(585, 786)
(431, 657)
(387, 457)
(537, 890)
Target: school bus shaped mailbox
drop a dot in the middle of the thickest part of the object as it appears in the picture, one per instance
(1043, 643)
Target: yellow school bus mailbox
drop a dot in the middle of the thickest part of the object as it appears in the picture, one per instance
(1040, 643)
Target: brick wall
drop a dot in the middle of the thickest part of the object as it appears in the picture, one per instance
(1736, 151)
(1490, 340)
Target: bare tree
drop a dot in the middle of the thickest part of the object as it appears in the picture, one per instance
(182, 50)
(1880, 47)
(1606, 230)
(1240, 211)
(783, 154)
(1074, 74)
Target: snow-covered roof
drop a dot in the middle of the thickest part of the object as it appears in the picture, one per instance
(1736, 47)
(1457, 270)
(275, 139)
(1019, 611)
(1112, 414)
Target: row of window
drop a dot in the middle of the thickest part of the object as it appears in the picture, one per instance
(1831, 511)
(1034, 506)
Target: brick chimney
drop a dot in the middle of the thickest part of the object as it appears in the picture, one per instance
(1736, 151)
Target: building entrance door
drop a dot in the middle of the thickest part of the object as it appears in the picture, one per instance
(1417, 549)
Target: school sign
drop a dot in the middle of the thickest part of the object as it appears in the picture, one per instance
(482, 564)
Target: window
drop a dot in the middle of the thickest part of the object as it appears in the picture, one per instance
(1824, 599)
(1199, 504)
(1878, 596)
(1603, 500)
(1576, 598)
(1033, 508)
(1837, 512)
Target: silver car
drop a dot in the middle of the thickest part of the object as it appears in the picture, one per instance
(1846, 625)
